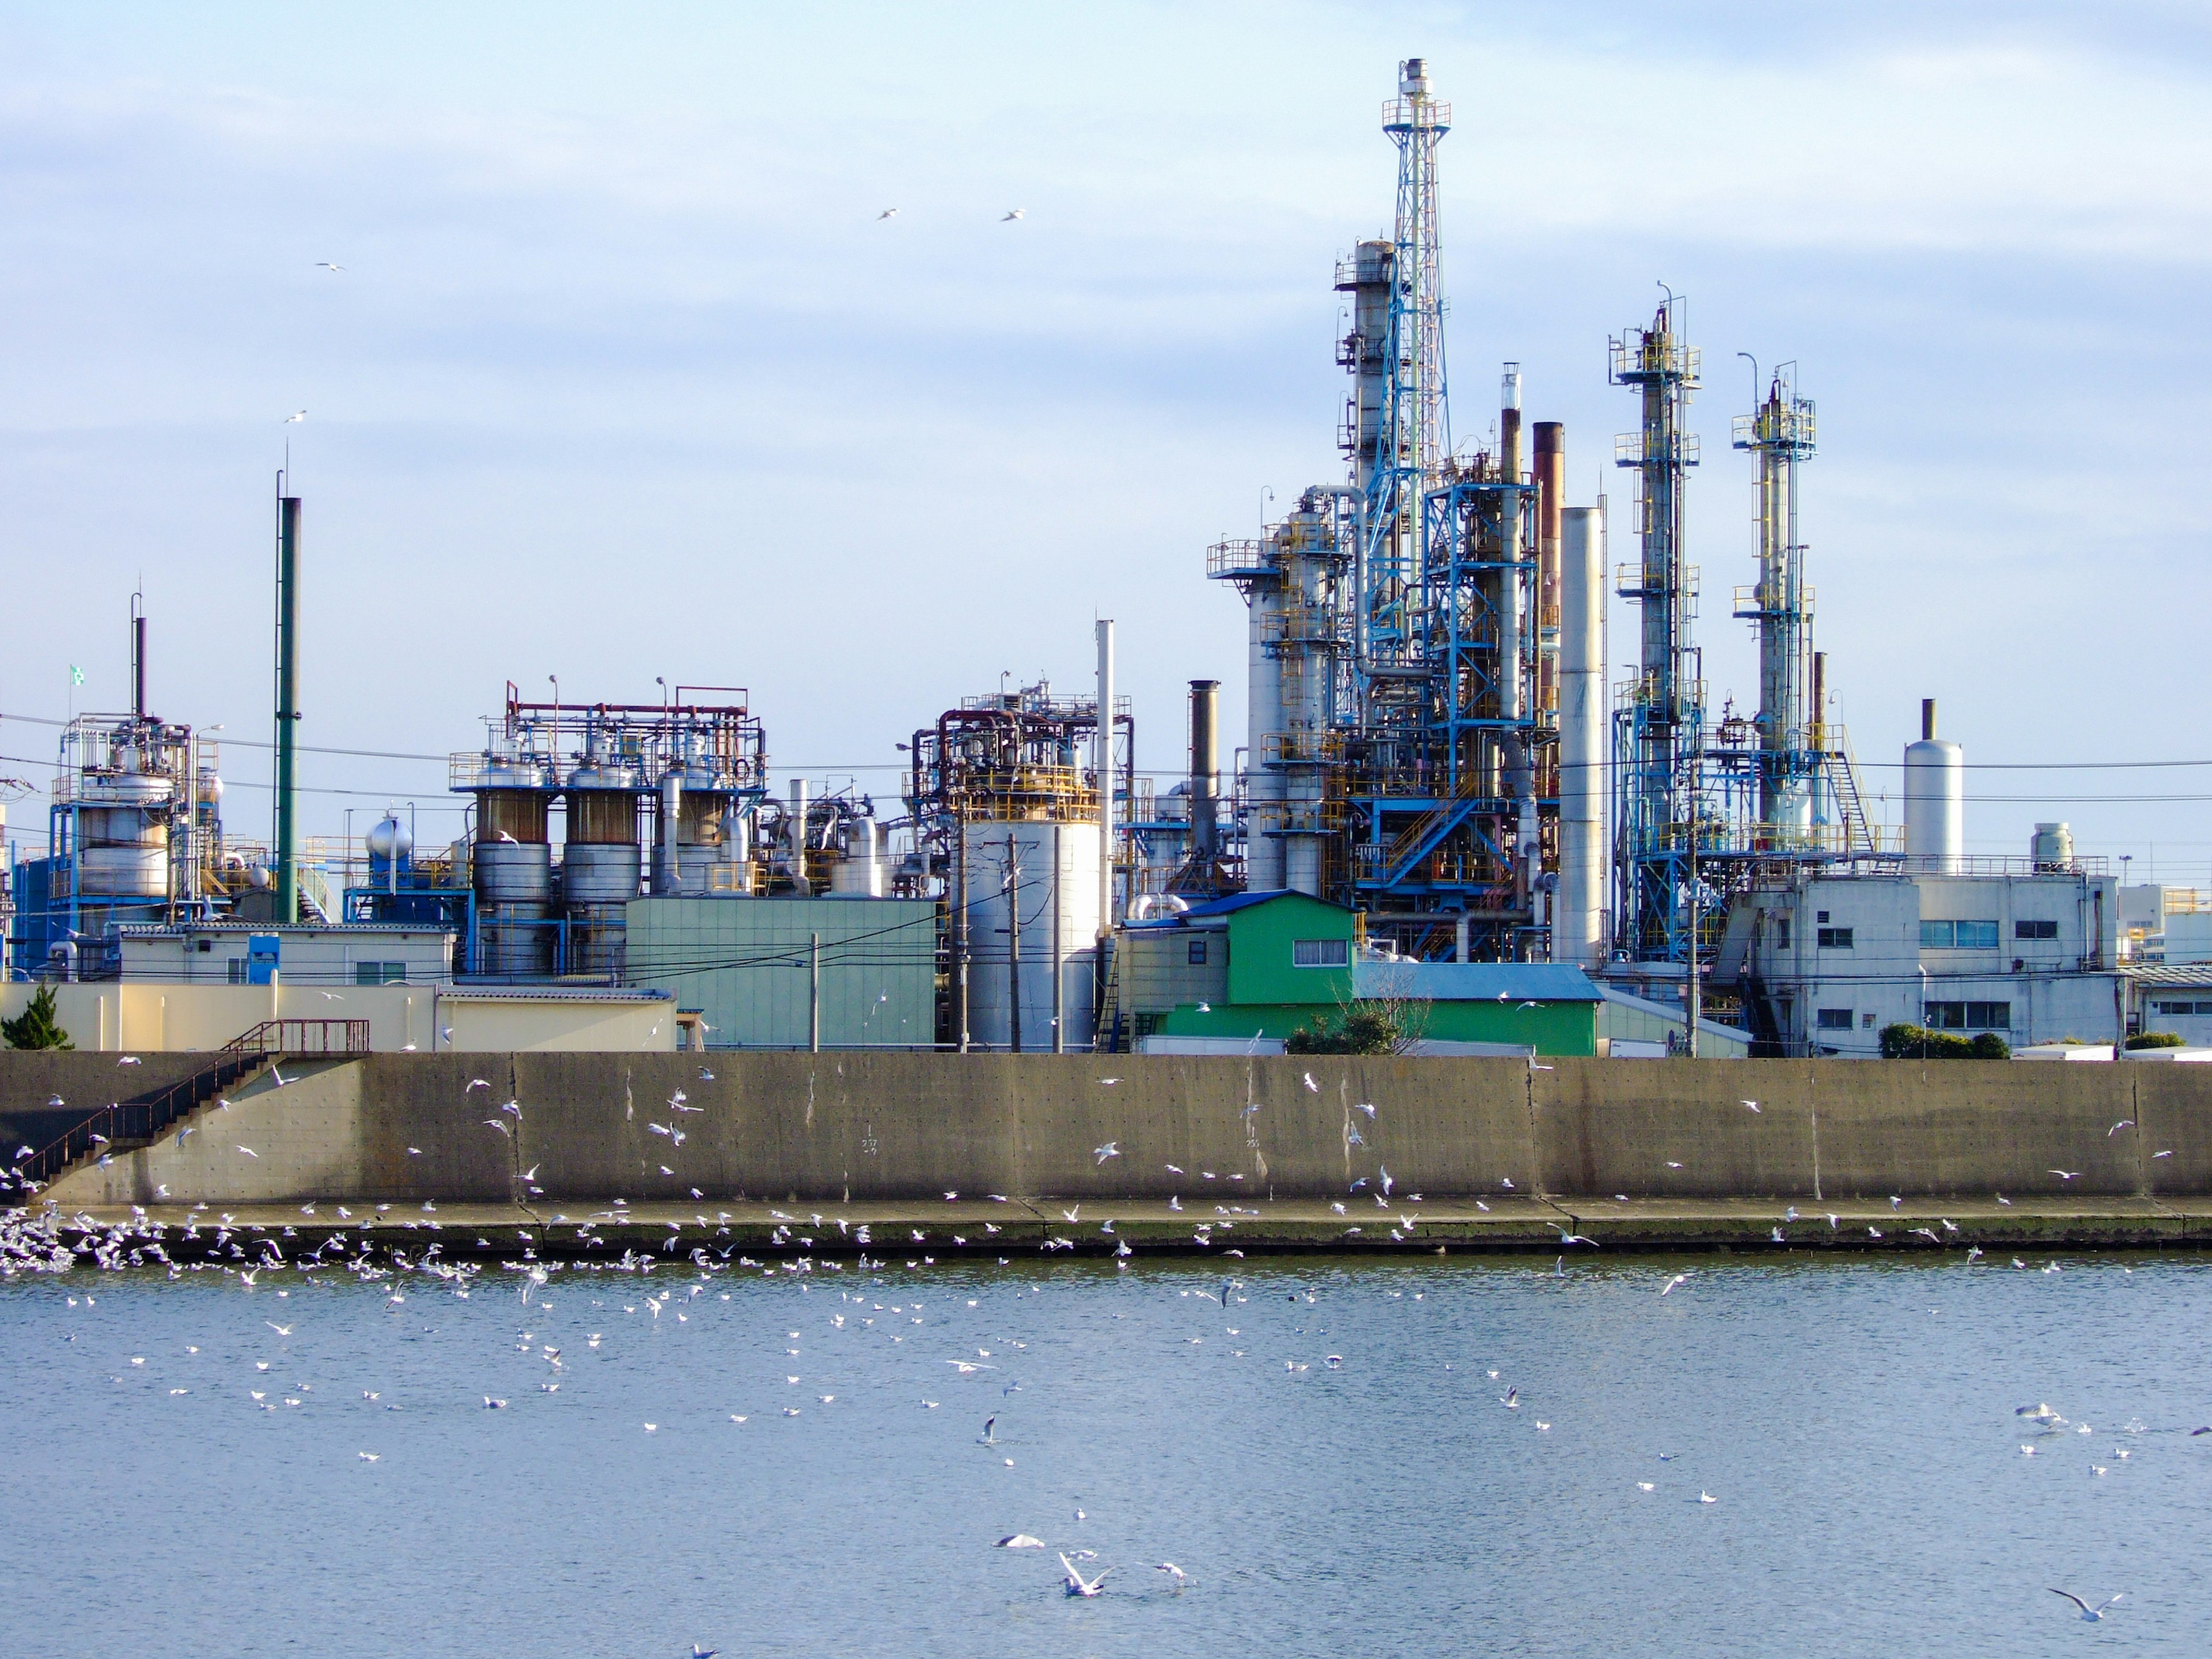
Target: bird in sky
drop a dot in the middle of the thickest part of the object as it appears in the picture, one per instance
(1173, 1571)
(1511, 1400)
(1111, 1149)
(698, 1652)
(989, 1438)
(2066, 1175)
(2089, 1614)
(325, 264)
(888, 213)
(127, 1060)
(1752, 1104)
(1013, 216)
(1679, 1279)
(1312, 1088)
(293, 418)
(2124, 1123)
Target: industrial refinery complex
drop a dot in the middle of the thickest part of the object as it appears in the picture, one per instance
(1443, 808)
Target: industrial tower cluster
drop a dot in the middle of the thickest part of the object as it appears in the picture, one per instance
(1439, 770)
(1432, 738)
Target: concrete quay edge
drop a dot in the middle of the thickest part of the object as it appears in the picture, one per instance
(1035, 1226)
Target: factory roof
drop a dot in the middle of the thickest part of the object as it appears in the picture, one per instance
(1233, 902)
(2191, 973)
(171, 929)
(1473, 981)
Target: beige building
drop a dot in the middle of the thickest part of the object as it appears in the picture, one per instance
(124, 1016)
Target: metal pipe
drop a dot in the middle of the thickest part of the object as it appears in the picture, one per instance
(1059, 950)
(287, 836)
(1105, 766)
(814, 994)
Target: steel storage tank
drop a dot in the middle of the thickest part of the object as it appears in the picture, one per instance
(1934, 800)
(1055, 894)
(123, 830)
(512, 868)
(600, 864)
(2052, 849)
(858, 871)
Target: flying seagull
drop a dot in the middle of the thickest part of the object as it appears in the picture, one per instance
(1173, 1571)
(1016, 214)
(295, 416)
(888, 213)
(1076, 1584)
(325, 264)
(2089, 1614)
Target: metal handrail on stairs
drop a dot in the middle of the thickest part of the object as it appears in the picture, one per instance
(129, 1124)
(126, 1124)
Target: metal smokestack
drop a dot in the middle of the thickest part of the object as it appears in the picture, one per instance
(1550, 501)
(1578, 931)
(287, 837)
(1205, 768)
(138, 655)
(1927, 720)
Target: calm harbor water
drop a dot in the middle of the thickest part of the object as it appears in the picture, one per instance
(1853, 1420)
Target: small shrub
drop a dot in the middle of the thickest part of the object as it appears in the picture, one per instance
(1905, 1042)
(35, 1027)
(1360, 1031)
(1989, 1046)
(2158, 1040)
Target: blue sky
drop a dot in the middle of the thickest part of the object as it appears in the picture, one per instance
(624, 378)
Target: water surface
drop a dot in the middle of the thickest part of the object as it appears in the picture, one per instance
(1852, 1420)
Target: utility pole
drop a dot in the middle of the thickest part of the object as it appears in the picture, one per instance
(1694, 994)
(1059, 965)
(1014, 943)
(814, 995)
(960, 932)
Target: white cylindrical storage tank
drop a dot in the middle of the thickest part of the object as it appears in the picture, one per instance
(1936, 806)
(1578, 916)
(1056, 874)
(859, 873)
(2053, 849)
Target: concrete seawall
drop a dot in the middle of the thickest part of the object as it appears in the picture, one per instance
(896, 1128)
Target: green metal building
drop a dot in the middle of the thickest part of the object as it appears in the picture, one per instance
(749, 966)
(1264, 965)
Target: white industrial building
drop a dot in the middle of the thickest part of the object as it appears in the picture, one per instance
(2027, 948)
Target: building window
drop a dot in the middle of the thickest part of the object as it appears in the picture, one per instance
(1865, 1022)
(237, 966)
(379, 973)
(204, 946)
(1834, 1019)
(1782, 932)
(1823, 916)
(1198, 953)
(1320, 953)
(2035, 930)
(1957, 936)
(1834, 938)
(1968, 1016)
(2182, 1007)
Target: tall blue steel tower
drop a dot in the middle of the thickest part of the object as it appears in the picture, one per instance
(1659, 724)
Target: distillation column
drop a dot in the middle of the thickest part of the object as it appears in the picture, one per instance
(1665, 717)
(1779, 435)
(1578, 930)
